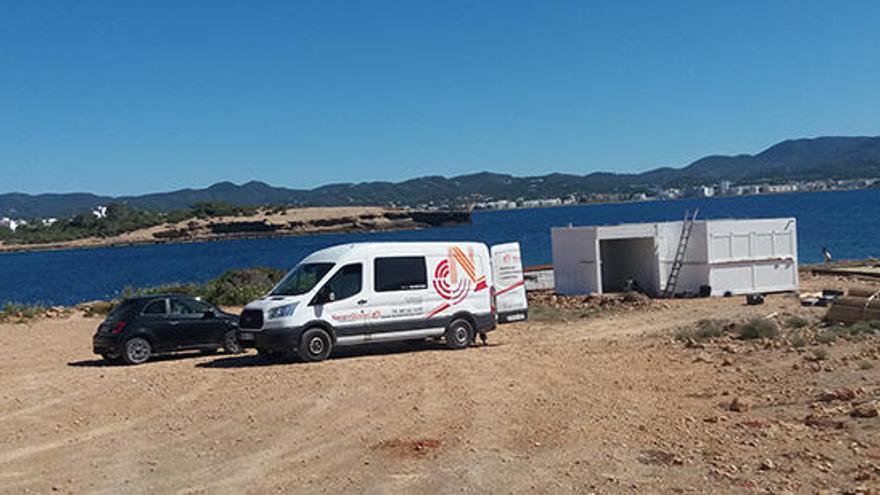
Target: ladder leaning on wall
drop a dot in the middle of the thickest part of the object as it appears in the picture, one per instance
(686, 227)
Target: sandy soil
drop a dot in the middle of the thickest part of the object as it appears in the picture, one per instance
(606, 404)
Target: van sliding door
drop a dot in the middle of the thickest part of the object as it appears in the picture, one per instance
(399, 287)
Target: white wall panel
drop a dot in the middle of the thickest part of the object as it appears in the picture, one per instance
(575, 270)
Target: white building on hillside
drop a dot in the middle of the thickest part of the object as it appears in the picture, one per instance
(11, 223)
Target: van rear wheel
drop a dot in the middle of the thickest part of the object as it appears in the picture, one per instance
(315, 345)
(459, 334)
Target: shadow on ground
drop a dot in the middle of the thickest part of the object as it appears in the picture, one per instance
(99, 363)
(251, 360)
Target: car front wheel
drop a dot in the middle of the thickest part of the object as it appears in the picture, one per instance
(315, 345)
(231, 344)
(137, 350)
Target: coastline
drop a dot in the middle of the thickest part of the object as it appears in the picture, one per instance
(290, 223)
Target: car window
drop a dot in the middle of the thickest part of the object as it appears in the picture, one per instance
(188, 307)
(155, 308)
(400, 273)
(121, 310)
(347, 282)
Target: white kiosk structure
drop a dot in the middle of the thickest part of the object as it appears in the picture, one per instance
(720, 257)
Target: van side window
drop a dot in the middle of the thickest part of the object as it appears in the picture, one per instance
(347, 282)
(400, 273)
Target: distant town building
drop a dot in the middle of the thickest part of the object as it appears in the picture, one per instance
(782, 188)
(536, 203)
(702, 192)
(748, 189)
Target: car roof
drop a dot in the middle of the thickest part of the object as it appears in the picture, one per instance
(159, 296)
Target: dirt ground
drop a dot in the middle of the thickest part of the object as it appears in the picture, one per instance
(608, 403)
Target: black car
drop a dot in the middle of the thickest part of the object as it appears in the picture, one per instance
(143, 326)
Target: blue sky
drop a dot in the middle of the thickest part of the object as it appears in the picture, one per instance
(139, 96)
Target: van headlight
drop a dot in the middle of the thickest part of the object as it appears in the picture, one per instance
(282, 311)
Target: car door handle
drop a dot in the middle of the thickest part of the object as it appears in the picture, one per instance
(362, 302)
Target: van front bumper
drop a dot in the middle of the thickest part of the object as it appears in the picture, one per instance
(276, 339)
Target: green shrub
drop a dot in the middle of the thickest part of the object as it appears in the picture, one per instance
(798, 341)
(758, 328)
(866, 365)
(98, 308)
(796, 321)
(21, 312)
(860, 328)
(707, 329)
(820, 354)
(232, 288)
(827, 336)
(702, 330)
(239, 287)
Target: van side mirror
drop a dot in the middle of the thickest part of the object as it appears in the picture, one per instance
(324, 296)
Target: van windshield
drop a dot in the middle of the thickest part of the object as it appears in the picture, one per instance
(301, 279)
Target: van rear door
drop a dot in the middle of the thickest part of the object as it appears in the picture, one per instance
(510, 290)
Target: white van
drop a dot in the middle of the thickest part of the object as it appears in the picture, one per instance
(391, 291)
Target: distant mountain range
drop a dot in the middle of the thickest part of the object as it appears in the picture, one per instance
(799, 159)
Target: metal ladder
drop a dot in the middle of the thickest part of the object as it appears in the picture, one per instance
(686, 227)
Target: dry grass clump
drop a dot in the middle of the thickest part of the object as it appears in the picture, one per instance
(758, 328)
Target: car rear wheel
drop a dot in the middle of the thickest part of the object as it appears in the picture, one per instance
(231, 344)
(137, 350)
(459, 334)
(315, 345)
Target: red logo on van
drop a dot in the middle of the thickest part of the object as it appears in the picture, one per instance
(450, 285)
(453, 291)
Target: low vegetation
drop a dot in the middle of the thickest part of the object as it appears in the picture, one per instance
(704, 330)
(796, 321)
(758, 328)
(20, 312)
(541, 312)
(119, 219)
(97, 308)
(233, 288)
(820, 354)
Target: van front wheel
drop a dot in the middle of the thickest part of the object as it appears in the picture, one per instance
(315, 345)
(459, 334)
